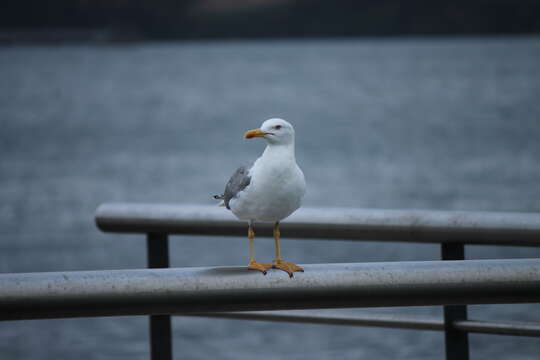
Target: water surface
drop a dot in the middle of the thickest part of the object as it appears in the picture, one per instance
(432, 124)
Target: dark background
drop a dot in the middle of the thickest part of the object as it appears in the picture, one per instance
(170, 19)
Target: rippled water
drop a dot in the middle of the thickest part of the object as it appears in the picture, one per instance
(442, 123)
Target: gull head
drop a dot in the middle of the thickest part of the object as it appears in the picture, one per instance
(274, 131)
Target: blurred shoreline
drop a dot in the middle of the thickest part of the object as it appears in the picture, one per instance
(120, 21)
(53, 37)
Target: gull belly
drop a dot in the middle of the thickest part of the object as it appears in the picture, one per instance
(275, 192)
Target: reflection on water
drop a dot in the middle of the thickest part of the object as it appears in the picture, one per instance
(446, 124)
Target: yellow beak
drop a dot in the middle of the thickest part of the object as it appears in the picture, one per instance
(250, 134)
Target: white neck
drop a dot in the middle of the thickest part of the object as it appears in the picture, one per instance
(284, 151)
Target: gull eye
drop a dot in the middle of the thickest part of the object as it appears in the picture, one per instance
(277, 127)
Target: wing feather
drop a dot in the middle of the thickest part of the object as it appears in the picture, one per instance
(238, 182)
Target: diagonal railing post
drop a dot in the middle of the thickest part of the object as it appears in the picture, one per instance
(456, 341)
(160, 325)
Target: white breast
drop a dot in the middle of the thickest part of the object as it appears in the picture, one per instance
(276, 190)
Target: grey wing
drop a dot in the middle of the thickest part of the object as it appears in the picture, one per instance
(238, 182)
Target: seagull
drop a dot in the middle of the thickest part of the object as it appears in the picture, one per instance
(269, 191)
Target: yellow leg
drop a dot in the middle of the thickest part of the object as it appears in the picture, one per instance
(254, 265)
(251, 237)
(277, 236)
(286, 266)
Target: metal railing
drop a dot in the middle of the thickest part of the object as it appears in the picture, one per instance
(217, 289)
(487, 228)
(235, 292)
(451, 229)
(386, 321)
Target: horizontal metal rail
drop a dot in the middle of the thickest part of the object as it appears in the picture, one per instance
(499, 327)
(213, 289)
(387, 321)
(487, 228)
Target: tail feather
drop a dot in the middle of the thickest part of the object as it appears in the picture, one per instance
(220, 197)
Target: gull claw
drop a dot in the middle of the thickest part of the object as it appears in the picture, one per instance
(288, 267)
(262, 267)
